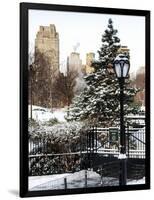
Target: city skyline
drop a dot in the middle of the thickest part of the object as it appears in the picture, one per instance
(84, 32)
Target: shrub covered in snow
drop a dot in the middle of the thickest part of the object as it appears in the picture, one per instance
(60, 130)
(57, 139)
(54, 165)
(51, 122)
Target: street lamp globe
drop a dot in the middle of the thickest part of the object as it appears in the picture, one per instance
(121, 66)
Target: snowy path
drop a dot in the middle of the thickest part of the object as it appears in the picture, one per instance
(134, 182)
(75, 180)
(35, 181)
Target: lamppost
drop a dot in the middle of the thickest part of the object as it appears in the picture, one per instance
(121, 68)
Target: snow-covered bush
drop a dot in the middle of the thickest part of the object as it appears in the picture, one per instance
(61, 131)
(32, 123)
(46, 165)
(51, 122)
(57, 139)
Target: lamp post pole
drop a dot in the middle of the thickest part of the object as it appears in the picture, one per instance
(121, 68)
(122, 156)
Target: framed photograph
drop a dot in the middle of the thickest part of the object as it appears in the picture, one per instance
(84, 99)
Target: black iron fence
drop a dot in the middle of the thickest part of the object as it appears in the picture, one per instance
(97, 148)
(106, 141)
(47, 164)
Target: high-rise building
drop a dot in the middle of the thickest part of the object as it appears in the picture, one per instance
(124, 50)
(46, 59)
(139, 82)
(89, 59)
(74, 63)
(47, 43)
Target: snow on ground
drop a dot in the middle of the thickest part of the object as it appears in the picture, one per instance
(45, 114)
(75, 180)
(35, 181)
(135, 182)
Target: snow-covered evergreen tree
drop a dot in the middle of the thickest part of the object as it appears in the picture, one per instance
(99, 102)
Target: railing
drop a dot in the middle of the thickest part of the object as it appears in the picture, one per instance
(45, 164)
(45, 159)
(97, 140)
(135, 142)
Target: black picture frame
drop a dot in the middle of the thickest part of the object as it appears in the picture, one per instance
(24, 9)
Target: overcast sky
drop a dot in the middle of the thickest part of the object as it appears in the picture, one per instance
(87, 29)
